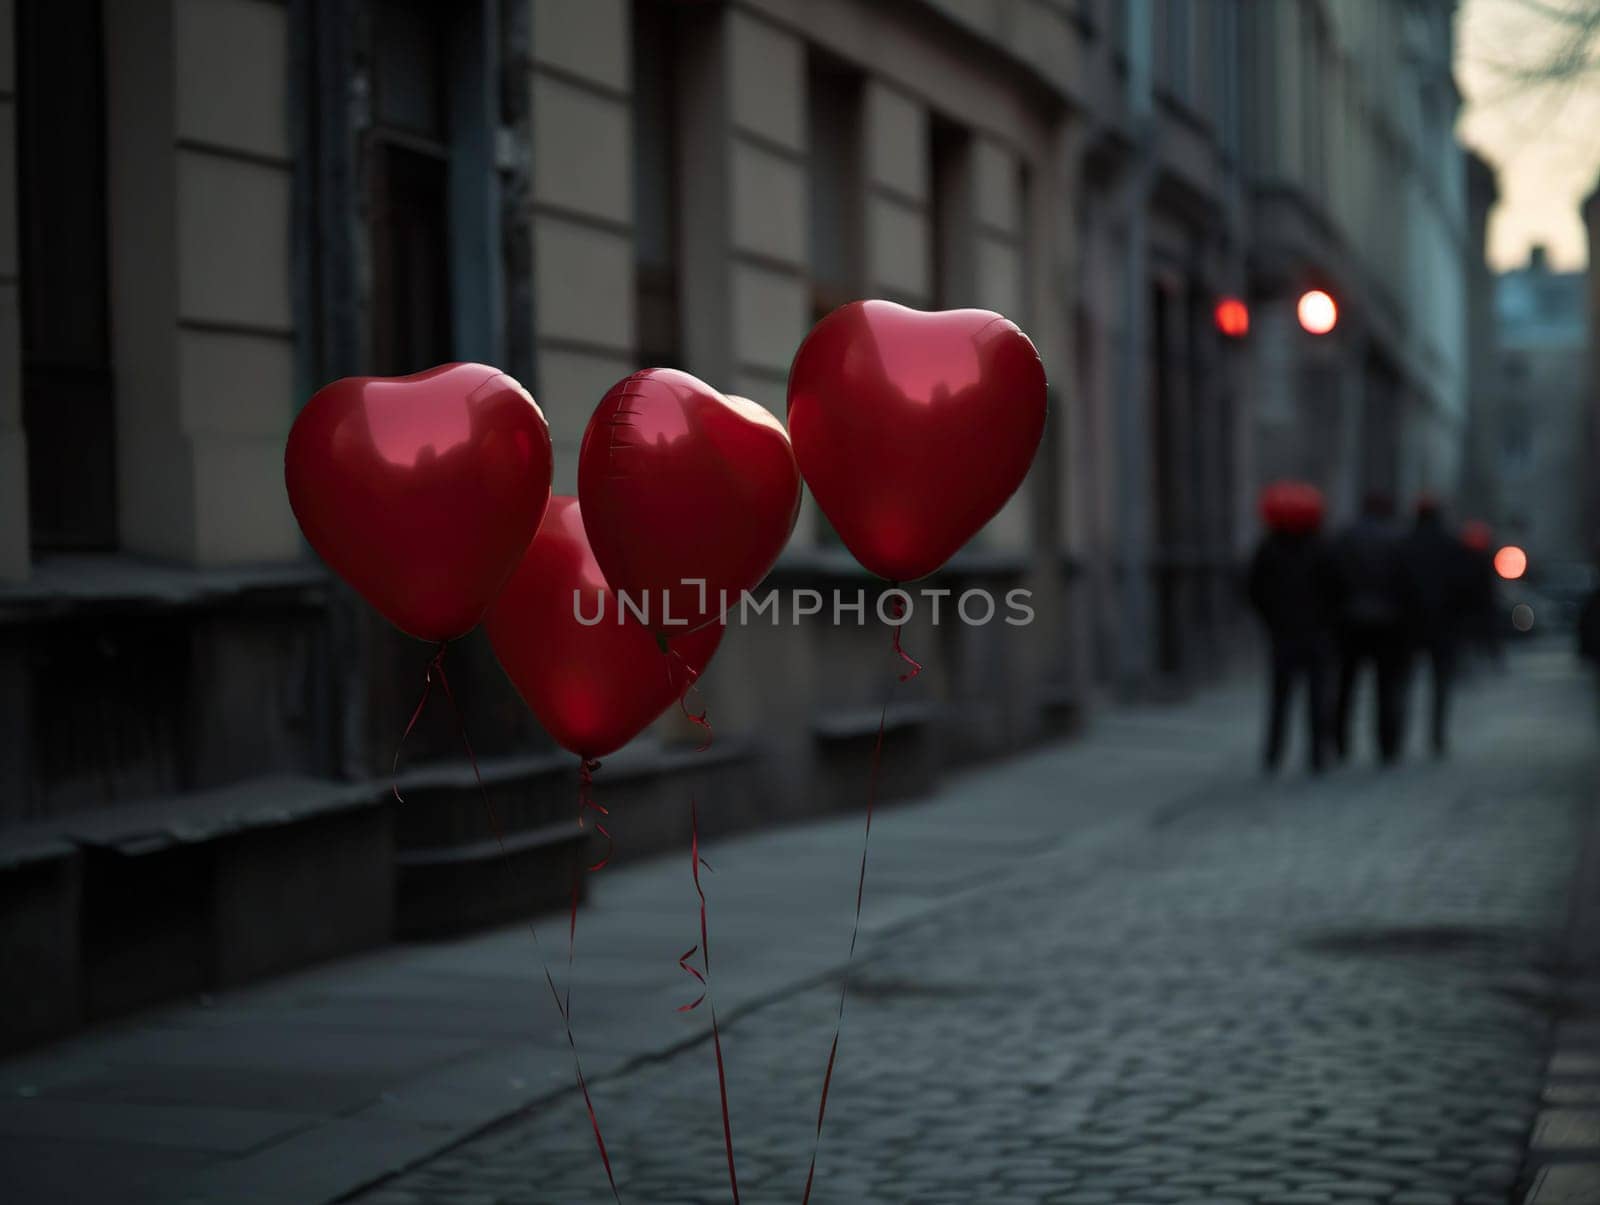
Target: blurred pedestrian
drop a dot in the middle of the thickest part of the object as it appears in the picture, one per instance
(1444, 584)
(1589, 632)
(1482, 623)
(1288, 588)
(1372, 609)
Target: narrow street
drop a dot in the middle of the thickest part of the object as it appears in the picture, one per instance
(1121, 969)
(1239, 991)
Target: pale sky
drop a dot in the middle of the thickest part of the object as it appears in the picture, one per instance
(1542, 137)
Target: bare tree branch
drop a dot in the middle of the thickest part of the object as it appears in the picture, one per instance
(1575, 55)
(1574, 14)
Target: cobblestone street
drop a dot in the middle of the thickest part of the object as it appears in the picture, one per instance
(1298, 991)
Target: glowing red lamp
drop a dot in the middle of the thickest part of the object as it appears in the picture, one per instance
(1317, 312)
(1232, 317)
(1511, 562)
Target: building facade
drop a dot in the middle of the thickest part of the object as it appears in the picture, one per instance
(199, 726)
(1591, 224)
(1479, 495)
(1542, 362)
(1258, 151)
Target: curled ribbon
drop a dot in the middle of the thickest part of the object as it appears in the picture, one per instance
(435, 666)
(692, 681)
(586, 803)
(685, 965)
(897, 610)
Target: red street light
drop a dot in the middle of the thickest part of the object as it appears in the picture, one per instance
(1232, 317)
(1317, 312)
(1511, 562)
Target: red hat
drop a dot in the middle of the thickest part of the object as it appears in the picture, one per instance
(1291, 506)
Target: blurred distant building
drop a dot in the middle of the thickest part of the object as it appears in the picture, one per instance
(1479, 494)
(1591, 222)
(1542, 412)
(210, 207)
(1263, 150)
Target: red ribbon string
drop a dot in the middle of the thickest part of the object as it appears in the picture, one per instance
(692, 679)
(685, 965)
(586, 803)
(563, 1006)
(898, 609)
(704, 949)
(435, 666)
(861, 888)
(692, 676)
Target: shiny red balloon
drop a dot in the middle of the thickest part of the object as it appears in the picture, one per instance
(912, 429)
(596, 686)
(681, 485)
(1291, 506)
(421, 491)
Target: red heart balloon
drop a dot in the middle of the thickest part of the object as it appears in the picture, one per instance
(682, 485)
(912, 429)
(421, 491)
(593, 687)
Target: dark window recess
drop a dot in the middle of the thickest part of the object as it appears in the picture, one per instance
(655, 184)
(838, 195)
(1024, 226)
(950, 214)
(110, 719)
(409, 53)
(1164, 482)
(67, 403)
(410, 182)
(835, 119)
(411, 262)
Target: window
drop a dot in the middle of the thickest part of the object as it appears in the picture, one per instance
(1180, 48)
(1024, 243)
(655, 184)
(1516, 439)
(838, 196)
(66, 339)
(410, 165)
(951, 217)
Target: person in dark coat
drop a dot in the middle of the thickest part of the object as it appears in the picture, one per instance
(1483, 620)
(1373, 610)
(1444, 586)
(1288, 588)
(1589, 631)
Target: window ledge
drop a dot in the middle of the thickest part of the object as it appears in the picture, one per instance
(71, 584)
(836, 562)
(150, 826)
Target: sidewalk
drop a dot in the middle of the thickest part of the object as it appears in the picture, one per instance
(308, 1087)
(1234, 991)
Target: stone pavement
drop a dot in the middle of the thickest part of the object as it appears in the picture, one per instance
(1196, 987)
(1123, 969)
